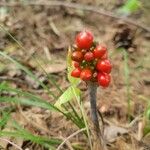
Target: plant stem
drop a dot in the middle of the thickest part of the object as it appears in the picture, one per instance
(127, 82)
(92, 94)
(98, 142)
(84, 117)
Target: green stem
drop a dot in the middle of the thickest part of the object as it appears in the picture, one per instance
(84, 118)
(127, 82)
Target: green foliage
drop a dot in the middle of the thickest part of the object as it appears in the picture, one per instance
(27, 71)
(147, 118)
(130, 6)
(27, 99)
(4, 119)
(19, 132)
(67, 96)
(71, 91)
(127, 82)
(148, 114)
(146, 130)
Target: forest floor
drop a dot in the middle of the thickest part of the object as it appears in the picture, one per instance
(45, 32)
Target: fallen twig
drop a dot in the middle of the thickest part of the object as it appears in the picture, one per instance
(13, 144)
(69, 137)
(78, 6)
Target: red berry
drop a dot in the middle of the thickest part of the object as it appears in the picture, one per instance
(104, 66)
(86, 74)
(94, 77)
(75, 64)
(99, 51)
(77, 56)
(103, 79)
(76, 72)
(83, 51)
(89, 56)
(84, 39)
(105, 56)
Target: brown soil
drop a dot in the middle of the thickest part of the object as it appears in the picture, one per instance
(45, 33)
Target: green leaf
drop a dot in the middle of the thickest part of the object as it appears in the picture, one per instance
(148, 114)
(22, 133)
(28, 98)
(146, 130)
(130, 6)
(67, 96)
(29, 102)
(4, 119)
(3, 11)
(72, 80)
(28, 72)
(37, 139)
(33, 100)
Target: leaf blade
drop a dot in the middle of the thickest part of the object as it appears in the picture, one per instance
(67, 96)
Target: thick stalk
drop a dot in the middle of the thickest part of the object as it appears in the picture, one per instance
(98, 142)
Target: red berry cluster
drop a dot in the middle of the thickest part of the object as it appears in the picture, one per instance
(90, 60)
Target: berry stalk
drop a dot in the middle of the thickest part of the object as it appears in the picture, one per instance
(98, 142)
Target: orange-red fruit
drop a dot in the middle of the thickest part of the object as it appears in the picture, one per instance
(105, 56)
(94, 77)
(84, 39)
(76, 72)
(104, 66)
(103, 79)
(77, 56)
(75, 64)
(88, 56)
(86, 74)
(83, 51)
(99, 51)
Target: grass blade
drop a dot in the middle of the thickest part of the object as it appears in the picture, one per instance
(67, 96)
(127, 82)
(28, 136)
(32, 75)
(28, 72)
(87, 133)
(33, 100)
(4, 119)
(29, 102)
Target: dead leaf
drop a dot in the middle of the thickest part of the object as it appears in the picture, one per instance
(56, 68)
(112, 132)
(122, 145)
